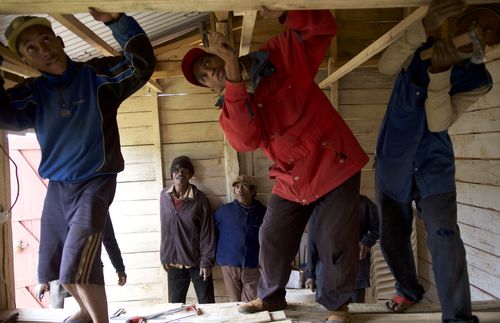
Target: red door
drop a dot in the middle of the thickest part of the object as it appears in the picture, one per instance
(25, 152)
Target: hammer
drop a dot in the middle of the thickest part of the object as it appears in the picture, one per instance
(472, 36)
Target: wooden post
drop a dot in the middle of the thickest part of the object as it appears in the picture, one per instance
(7, 285)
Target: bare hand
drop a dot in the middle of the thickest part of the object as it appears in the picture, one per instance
(440, 10)
(205, 273)
(41, 289)
(363, 250)
(122, 278)
(218, 45)
(311, 284)
(105, 17)
(444, 56)
(268, 13)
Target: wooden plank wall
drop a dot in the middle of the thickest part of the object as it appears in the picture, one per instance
(135, 210)
(476, 138)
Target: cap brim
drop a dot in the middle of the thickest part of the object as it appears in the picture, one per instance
(38, 21)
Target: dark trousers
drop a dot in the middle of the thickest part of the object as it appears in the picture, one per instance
(439, 213)
(334, 230)
(358, 296)
(178, 285)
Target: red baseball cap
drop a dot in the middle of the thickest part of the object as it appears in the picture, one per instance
(187, 64)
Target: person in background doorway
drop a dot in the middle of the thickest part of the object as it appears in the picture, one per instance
(237, 227)
(72, 107)
(187, 248)
(368, 233)
(414, 156)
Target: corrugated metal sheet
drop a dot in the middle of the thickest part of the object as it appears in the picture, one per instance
(157, 25)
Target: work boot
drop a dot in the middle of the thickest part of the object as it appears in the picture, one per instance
(258, 305)
(339, 316)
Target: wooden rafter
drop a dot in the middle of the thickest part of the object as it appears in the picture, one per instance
(85, 33)
(12, 65)
(376, 47)
(249, 18)
(193, 38)
(82, 31)
(65, 6)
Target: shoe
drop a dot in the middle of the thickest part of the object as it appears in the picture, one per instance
(399, 303)
(339, 316)
(258, 305)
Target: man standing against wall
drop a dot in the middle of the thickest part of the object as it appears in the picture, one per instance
(316, 158)
(187, 248)
(72, 106)
(237, 226)
(415, 159)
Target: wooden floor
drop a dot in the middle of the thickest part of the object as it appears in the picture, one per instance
(488, 312)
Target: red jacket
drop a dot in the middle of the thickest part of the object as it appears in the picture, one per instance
(290, 118)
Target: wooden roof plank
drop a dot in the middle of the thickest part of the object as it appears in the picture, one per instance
(12, 65)
(85, 33)
(249, 18)
(89, 36)
(376, 47)
(75, 6)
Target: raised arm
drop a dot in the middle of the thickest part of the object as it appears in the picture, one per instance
(138, 55)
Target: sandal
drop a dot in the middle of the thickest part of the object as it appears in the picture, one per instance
(399, 303)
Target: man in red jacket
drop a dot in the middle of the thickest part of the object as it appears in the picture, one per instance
(317, 160)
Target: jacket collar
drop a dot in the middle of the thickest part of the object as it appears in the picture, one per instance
(66, 77)
(189, 194)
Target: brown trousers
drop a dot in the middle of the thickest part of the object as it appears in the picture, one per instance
(241, 283)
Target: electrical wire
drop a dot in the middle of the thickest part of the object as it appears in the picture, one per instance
(17, 179)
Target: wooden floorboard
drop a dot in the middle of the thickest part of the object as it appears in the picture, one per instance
(488, 312)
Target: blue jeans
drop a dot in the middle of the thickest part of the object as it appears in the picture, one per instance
(439, 213)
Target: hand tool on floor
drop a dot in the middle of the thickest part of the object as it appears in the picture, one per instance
(142, 319)
(472, 36)
(116, 314)
(197, 311)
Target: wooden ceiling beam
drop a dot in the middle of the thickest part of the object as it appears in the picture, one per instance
(89, 36)
(165, 69)
(249, 18)
(377, 46)
(85, 33)
(75, 6)
(190, 39)
(13, 65)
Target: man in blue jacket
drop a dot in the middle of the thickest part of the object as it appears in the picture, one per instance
(415, 159)
(72, 106)
(237, 226)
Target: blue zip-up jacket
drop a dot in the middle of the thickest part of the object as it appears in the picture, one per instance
(237, 230)
(406, 149)
(74, 114)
